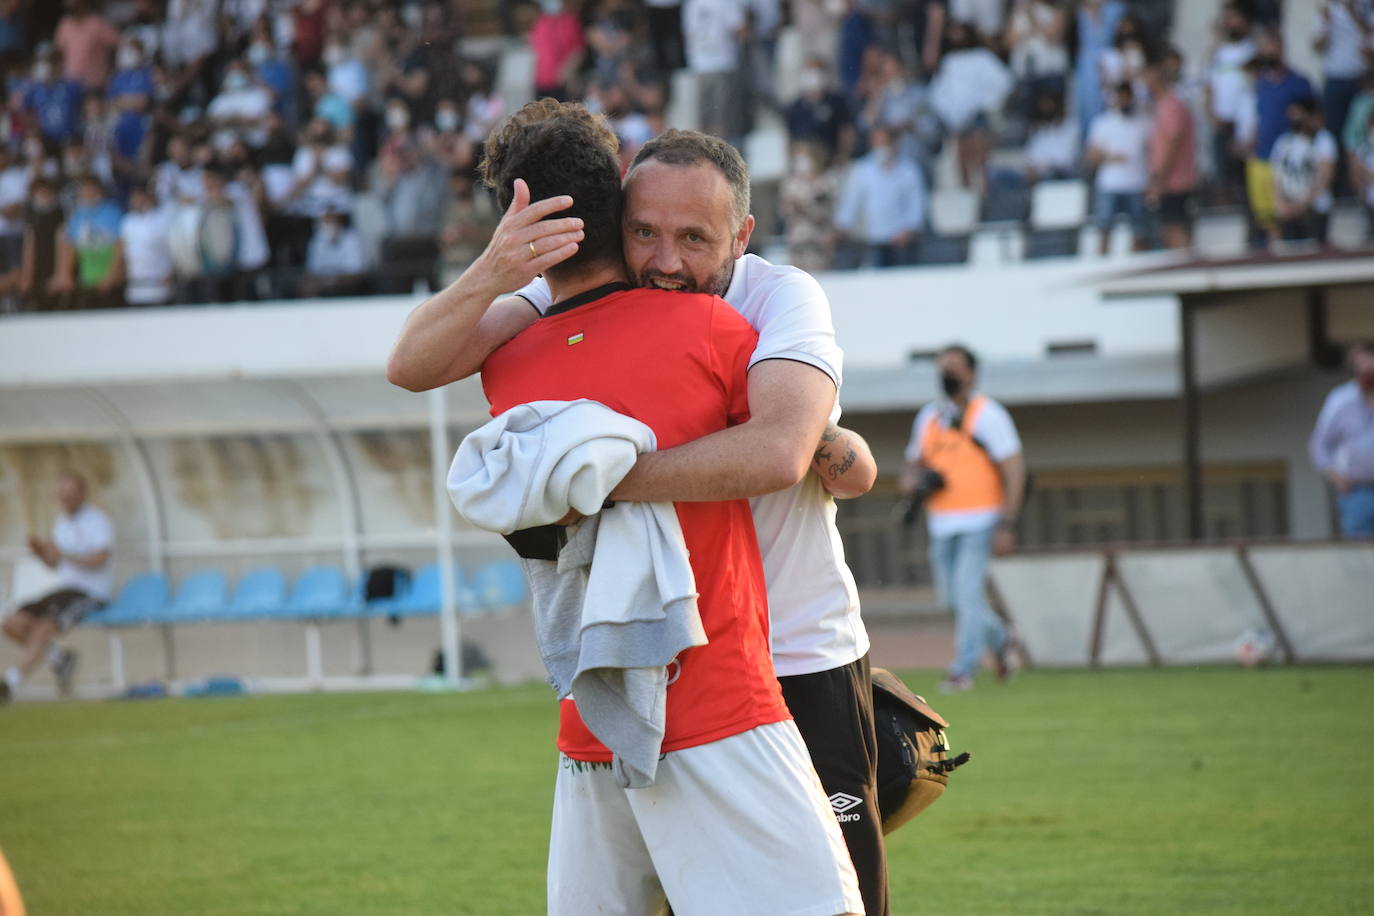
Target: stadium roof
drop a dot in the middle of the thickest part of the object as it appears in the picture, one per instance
(1301, 269)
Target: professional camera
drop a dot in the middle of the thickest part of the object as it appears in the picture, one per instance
(928, 482)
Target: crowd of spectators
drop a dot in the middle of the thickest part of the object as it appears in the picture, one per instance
(218, 150)
(157, 151)
(1029, 90)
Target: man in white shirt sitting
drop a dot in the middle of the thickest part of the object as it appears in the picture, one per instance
(79, 550)
(1118, 142)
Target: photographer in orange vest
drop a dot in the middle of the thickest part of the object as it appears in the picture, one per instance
(964, 462)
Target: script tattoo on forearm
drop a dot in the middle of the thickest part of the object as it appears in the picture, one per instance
(825, 453)
(837, 469)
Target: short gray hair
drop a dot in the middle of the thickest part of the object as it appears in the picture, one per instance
(689, 147)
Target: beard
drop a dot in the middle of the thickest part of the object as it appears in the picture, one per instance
(715, 285)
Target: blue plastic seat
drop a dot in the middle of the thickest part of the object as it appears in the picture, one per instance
(260, 594)
(143, 599)
(500, 584)
(203, 596)
(321, 592)
(425, 595)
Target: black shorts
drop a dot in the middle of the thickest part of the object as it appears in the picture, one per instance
(1176, 209)
(834, 713)
(67, 606)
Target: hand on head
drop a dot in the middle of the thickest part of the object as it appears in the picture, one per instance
(525, 244)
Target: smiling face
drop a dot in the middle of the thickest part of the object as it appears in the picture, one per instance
(680, 226)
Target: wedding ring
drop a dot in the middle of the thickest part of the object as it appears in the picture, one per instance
(533, 253)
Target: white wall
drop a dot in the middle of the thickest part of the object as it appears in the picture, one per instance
(1011, 312)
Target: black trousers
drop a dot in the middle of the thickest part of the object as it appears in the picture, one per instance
(834, 713)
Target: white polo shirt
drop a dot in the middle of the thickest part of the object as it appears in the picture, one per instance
(812, 600)
(86, 531)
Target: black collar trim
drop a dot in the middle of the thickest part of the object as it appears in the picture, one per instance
(591, 295)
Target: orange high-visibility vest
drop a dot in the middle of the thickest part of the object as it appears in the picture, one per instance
(972, 480)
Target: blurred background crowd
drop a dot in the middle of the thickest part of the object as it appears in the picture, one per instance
(221, 150)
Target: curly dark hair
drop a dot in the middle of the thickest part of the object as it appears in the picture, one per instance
(689, 147)
(561, 148)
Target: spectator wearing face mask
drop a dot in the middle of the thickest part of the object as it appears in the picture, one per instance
(143, 255)
(882, 209)
(273, 71)
(51, 99)
(971, 86)
(965, 460)
(190, 36)
(902, 107)
(1117, 148)
(1342, 444)
(86, 40)
(447, 141)
(43, 223)
(1125, 59)
(1343, 33)
(467, 223)
(216, 244)
(396, 124)
(406, 179)
(345, 74)
(1037, 33)
(1276, 85)
(1052, 151)
(485, 108)
(556, 40)
(820, 115)
(179, 180)
(1227, 93)
(336, 262)
(97, 140)
(809, 194)
(1173, 160)
(131, 97)
(241, 108)
(322, 103)
(86, 264)
(1304, 164)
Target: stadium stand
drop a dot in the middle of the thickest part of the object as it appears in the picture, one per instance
(300, 153)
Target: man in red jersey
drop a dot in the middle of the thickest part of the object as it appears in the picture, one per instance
(736, 820)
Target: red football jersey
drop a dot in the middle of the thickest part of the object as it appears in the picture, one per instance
(676, 362)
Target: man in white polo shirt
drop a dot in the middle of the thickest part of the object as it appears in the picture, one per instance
(79, 551)
(686, 227)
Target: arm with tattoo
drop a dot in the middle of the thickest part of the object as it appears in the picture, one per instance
(844, 463)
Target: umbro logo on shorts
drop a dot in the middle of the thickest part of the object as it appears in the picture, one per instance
(840, 803)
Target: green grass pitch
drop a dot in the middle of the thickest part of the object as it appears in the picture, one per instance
(1174, 791)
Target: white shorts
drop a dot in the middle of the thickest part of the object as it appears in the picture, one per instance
(737, 826)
